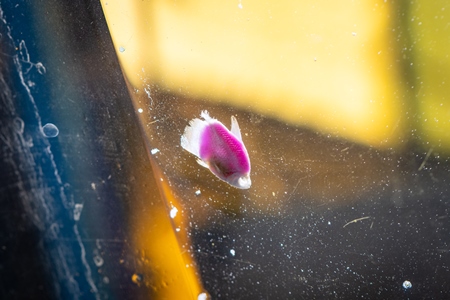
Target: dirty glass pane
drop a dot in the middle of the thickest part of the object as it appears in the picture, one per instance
(342, 108)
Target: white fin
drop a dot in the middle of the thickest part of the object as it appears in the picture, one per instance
(205, 115)
(190, 140)
(202, 163)
(235, 130)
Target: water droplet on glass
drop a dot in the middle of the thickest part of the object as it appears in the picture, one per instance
(77, 211)
(173, 212)
(407, 284)
(18, 125)
(98, 260)
(202, 296)
(50, 130)
(40, 68)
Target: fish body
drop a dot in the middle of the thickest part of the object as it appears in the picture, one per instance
(219, 149)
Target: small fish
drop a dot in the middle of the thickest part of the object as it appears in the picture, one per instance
(219, 149)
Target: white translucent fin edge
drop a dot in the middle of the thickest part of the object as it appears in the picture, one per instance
(202, 163)
(205, 115)
(190, 140)
(235, 130)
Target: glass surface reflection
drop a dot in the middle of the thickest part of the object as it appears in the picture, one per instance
(342, 188)
(343, 111)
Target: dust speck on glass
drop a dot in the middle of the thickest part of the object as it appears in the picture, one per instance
(50, 130)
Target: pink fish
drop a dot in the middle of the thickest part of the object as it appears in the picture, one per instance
(219, 149)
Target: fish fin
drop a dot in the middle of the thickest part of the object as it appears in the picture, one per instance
(235, 130)
(202, 163)
(205, 115)
(190, 140)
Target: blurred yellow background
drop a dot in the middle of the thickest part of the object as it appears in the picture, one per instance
(429, 26)
(368, 71)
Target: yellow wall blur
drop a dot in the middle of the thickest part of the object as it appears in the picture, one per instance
(429, 25)
(337, 67)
